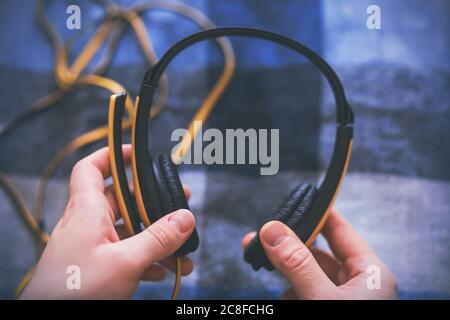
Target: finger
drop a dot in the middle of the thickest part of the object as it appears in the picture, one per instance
(88, 174)
(111, 197)
(154, 273)
(158, 241)
(354, 253)
(289, 294)
(328, 263)
(247, 238)
(294, 260)
(187, 266)
(187, 192)
(122, 231)
(342, 238)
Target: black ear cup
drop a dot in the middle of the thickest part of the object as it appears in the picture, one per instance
(291, 213)
(171, 196)
(169, 186)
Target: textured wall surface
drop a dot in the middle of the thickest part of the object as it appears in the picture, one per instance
(397, 80)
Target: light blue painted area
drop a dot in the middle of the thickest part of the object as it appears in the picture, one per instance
(27, 47)
(413, 34)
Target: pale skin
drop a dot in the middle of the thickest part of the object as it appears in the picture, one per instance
(112, 264)
(317, 274)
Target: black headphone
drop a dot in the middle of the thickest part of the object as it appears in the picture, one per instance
(158, 190)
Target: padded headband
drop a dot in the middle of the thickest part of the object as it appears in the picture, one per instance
(344, 118)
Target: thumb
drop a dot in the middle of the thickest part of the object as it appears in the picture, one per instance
(158, 241)
(294, 260)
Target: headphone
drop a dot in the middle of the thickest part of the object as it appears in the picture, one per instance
(157, 186)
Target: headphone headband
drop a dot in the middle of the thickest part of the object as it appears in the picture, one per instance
(344, 114)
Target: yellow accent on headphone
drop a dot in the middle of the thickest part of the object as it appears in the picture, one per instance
(322, 222)
(137, 189)
(112, 160)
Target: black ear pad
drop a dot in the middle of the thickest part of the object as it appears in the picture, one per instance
(291, 213)
(168, 183)
(171, 196)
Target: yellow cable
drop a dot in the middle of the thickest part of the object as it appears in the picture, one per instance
(80, 63)
(201, 115)
(177, 285)
(23, 209)
(23, 283)
(143, 38)
(221, 85)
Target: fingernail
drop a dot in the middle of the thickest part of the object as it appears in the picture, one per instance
(183, 219)
(273, 233)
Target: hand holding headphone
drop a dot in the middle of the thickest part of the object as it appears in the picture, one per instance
(158, 190)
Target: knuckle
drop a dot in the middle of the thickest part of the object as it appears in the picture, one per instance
(78, 166)
(391, 280)
(160, 235)
(125, 258)
(104, 216)
(294, 258)
(75, 183)
(70, 207)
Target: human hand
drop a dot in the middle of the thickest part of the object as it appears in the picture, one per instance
(316, 274)
(86, 236)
